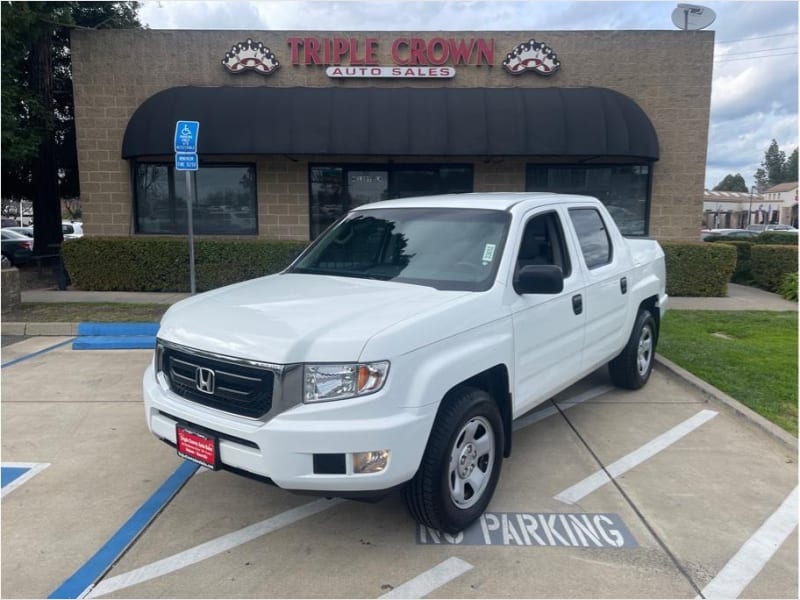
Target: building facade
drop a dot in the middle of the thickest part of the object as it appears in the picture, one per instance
(782, 203)
(298, 127)
(730, 210)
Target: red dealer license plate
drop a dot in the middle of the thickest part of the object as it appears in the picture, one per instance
(198, 447)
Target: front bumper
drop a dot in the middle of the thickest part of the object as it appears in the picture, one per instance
(283, 447)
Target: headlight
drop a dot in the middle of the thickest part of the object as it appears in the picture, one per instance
(337, 382)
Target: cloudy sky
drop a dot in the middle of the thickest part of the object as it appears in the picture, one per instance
(755, 88)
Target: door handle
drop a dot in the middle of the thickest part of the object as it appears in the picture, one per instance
(623, 285)
(577, 304)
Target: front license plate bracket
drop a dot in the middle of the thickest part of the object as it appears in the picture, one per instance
(197, 446)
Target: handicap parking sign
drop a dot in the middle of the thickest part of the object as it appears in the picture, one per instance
(186, 136)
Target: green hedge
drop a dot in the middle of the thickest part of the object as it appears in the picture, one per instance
(698, 269)
(788, 288)
(776, 238)
(139, 264)
(769, 265)
(743, 273)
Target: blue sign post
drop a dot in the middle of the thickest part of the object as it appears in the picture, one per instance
(186, 133)
(186, 145)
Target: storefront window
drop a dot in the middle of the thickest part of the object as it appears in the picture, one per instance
(335, 189)
(225, 202)
(624, 189)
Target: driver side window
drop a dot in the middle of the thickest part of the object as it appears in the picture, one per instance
(543, 244)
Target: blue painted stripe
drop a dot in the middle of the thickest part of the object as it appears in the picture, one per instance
(35, 354)
(109, 342)
(9, 474)
(117, 328)
(78, 583)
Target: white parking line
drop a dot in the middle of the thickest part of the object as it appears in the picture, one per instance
(583, 488)
(432, 579)
(208, 549)
(755, 553)
(540, 415)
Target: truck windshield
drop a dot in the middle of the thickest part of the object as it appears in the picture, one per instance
(448, 249)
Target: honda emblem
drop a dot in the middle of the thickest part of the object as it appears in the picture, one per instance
(204, 380)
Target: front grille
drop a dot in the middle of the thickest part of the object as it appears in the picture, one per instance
(239, 389)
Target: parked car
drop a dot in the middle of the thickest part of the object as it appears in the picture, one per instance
(731, 233)
(399, 347)
(17, 248)
(72, 229)
(26, 231)
(782, 228)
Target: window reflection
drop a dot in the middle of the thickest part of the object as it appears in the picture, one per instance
(225, 200)
(335, 189)
(624, 189)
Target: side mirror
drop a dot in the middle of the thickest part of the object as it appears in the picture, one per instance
(539, 279)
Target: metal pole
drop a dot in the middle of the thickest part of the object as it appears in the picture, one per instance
(190, 229)
(686, 19)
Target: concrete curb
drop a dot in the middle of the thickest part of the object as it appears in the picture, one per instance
(783, 436)
(39, 329)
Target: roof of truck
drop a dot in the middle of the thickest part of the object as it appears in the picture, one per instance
(494, 200)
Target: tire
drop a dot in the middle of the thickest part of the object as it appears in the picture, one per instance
(632, 368)
(461, 464)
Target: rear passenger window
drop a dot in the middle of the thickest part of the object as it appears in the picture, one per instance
(592, 235)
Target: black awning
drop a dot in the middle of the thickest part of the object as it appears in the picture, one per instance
(576, 122)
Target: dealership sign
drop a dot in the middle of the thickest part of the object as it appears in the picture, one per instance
(412, 57)
(392, 72)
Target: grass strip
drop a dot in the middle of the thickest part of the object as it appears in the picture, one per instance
(76, 312)
(750, 355)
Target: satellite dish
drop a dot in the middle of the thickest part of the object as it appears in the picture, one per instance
(692, 16)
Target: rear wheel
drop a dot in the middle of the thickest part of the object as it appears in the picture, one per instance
(461, 464)
(632, 368)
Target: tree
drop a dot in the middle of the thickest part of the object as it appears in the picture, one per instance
(776, 168)
(774, 159)
(731, 183)
(790, 168)
(39, 159)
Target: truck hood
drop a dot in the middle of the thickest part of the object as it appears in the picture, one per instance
(289, 318)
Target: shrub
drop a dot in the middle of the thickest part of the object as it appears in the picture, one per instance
(698, 269)
(742, 273)
(788, 287)
(141, 264)
(776, 238)
(769, 264)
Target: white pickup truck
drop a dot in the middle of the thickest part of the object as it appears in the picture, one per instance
(400, 346)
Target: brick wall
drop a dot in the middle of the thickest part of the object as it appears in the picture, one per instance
(668, 73)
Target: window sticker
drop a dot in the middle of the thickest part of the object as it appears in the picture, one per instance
(488, 253)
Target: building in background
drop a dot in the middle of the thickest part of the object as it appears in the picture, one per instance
(728, 210)
(782, 200)
(298, 127)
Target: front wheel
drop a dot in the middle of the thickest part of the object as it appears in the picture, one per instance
(632, 368)
(461, 464)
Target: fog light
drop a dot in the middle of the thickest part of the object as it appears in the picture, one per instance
(370, 462)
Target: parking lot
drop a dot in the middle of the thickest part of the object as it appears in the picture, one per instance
(658, 493)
